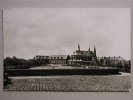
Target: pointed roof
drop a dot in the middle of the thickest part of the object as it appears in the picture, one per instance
(94, 48)
(78, 46)
(89, 48)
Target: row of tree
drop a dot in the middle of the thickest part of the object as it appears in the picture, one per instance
(16, 63)
(123, 65)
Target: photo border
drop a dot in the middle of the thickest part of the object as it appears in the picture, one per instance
(63, 4)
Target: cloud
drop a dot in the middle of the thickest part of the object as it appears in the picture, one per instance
(31, 31)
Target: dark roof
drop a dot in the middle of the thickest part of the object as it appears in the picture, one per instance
(49, 56)
(116, 58)
(63, 56)
(82, 52)
(112, 58)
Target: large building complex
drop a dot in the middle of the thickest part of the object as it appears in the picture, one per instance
(79, 57)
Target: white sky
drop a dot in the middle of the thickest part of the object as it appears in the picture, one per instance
(46, 31)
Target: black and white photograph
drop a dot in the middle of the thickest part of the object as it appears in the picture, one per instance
(67, 49)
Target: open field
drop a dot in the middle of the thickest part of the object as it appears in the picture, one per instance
(69, 67)
(73, 83)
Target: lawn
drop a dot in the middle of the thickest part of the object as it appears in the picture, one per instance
(74, 83)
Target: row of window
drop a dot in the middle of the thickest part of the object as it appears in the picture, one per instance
(81, 57)
(56, 57)
(50, 57)
(83, 52)
(57, 62)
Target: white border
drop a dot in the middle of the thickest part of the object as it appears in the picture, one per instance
(62, 95)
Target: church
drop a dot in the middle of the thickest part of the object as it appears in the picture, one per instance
(82, 57)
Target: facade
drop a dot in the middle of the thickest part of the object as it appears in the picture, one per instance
(58, 59)
(54, 59)
(82, 57)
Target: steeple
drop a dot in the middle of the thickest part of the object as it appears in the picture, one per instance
(78, 47)
(94, 50)
(89, 48)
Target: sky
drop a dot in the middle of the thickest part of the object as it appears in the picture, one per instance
(57, 31)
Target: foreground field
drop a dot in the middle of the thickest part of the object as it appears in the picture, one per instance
(71, 83)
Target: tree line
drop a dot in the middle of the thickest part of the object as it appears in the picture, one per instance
(17, 63)
(123, 65)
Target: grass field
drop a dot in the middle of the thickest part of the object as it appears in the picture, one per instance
(71, 83)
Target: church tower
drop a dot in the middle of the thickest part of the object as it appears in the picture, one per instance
(89, 48)
(94, 50)
(78, 47)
